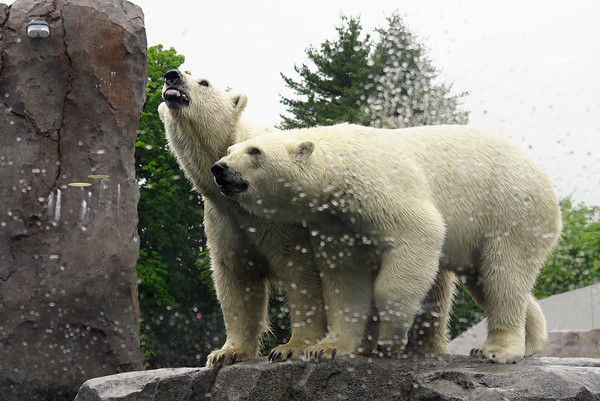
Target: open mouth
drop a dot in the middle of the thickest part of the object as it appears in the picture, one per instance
(232, 189)
(174, 97)
(230, 186)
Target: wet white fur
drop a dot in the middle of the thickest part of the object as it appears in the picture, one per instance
(246, 251)
(410, 200)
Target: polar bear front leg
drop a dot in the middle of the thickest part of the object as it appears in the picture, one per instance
(347, 294)
(239, 273)
(347, 281)
(243, 298)
(302, 284)
(309, 324)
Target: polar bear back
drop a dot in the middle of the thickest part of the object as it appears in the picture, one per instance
(484, 185)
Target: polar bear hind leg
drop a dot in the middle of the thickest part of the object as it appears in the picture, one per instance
(506, 276)
(407, 272)
(429, 332)
(535, 327)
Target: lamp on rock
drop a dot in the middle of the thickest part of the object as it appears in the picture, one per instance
(38, 29)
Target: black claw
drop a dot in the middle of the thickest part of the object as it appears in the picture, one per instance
(221, 358)
(234, 359)
(321, 354)
(290, 354)
(333, 353)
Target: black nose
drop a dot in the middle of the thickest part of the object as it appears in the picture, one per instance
(219, 168)
(172, 77)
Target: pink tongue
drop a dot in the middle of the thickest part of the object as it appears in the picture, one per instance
(172, 93)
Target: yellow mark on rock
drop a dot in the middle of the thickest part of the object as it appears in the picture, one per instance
(80, 184)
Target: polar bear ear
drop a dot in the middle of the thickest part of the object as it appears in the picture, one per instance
(239, 102)
(302, 151)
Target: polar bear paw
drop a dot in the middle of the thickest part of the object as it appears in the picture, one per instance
(328, 350)
(498, 353)
(291, 350)
(319, 352)
(227, 356)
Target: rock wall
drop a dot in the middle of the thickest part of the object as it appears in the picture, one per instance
(442, 378)
(70, 106)
(569, 344)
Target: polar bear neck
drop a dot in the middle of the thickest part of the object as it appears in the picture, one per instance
(198, 146)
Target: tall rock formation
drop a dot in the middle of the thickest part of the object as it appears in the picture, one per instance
(69, 109)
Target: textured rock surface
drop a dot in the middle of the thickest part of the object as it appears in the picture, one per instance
(70, 106)
(444, 378)
(569, 344)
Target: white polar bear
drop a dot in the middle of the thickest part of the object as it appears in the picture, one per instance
(246, 251)
(462, 197)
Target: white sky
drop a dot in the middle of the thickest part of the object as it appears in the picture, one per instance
(531, 67)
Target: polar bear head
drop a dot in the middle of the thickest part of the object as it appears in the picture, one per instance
(268, 174)
(198, 107)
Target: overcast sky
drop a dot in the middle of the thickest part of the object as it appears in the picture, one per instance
(531, 67)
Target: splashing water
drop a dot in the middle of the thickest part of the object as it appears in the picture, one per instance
(57, 208)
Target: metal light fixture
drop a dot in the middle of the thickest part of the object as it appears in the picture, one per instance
(38, 29)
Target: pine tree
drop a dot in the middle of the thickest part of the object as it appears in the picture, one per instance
(402, 91)
(330, 94)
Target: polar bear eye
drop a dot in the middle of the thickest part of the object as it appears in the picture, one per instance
(254, 151)
(203, 83)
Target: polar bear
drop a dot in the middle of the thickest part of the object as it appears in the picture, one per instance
(464, 199)
(246, 251)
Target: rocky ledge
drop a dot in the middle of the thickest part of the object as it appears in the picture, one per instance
(441, 378)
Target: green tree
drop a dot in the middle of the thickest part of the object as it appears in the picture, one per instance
(390, 84)
(402, 89)
(176, 305)
(575, 262)
(330, 94)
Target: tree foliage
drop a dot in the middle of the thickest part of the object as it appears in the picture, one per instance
(403, 90)
(174, 301)
(330, 94)
(575, 263)
(390, 83)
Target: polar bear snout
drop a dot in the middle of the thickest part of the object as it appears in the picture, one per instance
(172, 77)
(219, 169)
(174, 90)
(230, 183)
